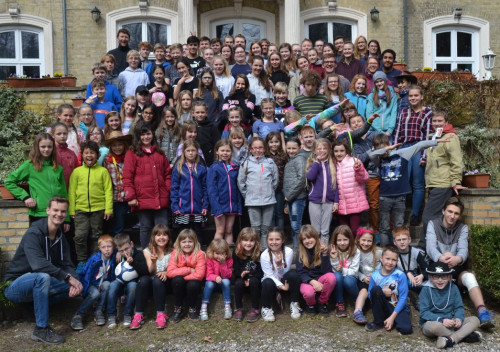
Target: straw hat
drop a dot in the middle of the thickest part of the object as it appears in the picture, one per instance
(117, 136)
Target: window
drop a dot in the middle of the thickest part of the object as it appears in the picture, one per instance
(21, 52)
(150, 31)
(328, 30)
(455, 48)
(251, 29)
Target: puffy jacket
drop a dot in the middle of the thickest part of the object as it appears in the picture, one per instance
(214, 269)
(351, 185)
(189, 190)
(90, 189)
(92, 267)
(359, 101)
(184, 263)
(388, 112)
(444, 163)
(294, 180)
(321, 185)
(222, 187)
(257, 181)
(147, 179)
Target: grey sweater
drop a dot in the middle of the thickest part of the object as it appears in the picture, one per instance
(366, 264)
(441, 239)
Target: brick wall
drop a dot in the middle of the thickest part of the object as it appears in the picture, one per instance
(14, 221)
(39, 99)
(482, 206)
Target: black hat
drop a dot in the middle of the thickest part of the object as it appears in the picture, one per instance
(439, 268)
(142, 90)
(407, 75)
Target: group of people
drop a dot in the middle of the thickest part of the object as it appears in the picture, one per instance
(320, 133)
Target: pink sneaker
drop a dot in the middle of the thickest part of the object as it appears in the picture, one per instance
(137, 321)
(161, 320)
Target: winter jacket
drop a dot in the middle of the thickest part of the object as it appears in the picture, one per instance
(321, 184)
(403, 102)
(388, 112)
(270, 269)
(440, 239)
(183, 265)
(189, 191)
(214, 269)
(147, 179)
(294, 179)
(91, 270)
(214, 105)
(90, 190)
(44, 184)
(222, 187)
(437, 305)
(68, 160)
(366, 263)
(360, 101)
(208, 136)
(257, 181)
(349, 265)
(351, 186)
(313, 272)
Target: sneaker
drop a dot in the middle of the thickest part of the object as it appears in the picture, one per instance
(373, 326)
(268, 314)
(47, 335)
(203, 314)
(359, 318)
(136, 322)
(323, 309)
(228, 312)
(238, 314)
(192, 314)
(414, 220)
(76, 322)
(111, 322)
(177, 314)
(127, 320)
(253, 316)
(295, 310)
(161, 320)
(444, 342)
(80, 267)
(475, 336)
(99, 318)
(311, 310)
(485, 321)
(341, 313)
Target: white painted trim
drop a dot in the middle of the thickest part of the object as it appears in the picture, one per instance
(482, 26)
(129, 13)
(47, 66)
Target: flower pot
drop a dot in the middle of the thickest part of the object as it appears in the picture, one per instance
(476, 181)
(6, 195)
(399, 66)
(443, 76)
(77, 102)
(42, 82)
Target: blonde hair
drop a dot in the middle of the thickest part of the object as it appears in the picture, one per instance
(218, 245)
(249, 234)
(184, 234)
(133, 53)
(331, 164)
(238, 132)
(227, 71)
(182, 159)
(105, 238)
(179, 106)
(308, 231)
(122, 112)
(292, 116)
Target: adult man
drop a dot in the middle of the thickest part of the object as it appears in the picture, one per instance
(120, 53)
(329, 65)
(338, 42)
(41, 270)
(447, 241)
(388, 58)
(240, 40)
(318, 45)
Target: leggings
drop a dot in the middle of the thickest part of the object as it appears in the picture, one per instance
(189, 289)
(269, 288)
(144, 286)
(254, 287)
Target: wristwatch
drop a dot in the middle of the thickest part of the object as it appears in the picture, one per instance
(68, 276)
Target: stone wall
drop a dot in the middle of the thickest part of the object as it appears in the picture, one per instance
(482, 206)
(14, 222)
(41, 99)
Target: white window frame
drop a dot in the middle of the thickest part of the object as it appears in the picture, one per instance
(238, 26)
(18, 60)
(454, 60)
(329, 22)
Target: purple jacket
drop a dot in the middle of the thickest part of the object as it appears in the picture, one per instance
(321, 184)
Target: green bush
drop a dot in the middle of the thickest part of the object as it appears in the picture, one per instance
(484, 254)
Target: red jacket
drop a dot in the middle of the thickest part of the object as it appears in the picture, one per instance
(184, 264)
(68, 160)
(214, 269)
(147, 179)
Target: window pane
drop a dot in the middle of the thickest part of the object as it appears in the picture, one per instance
(7, 45)
(318, 31)
(30, 45)
(342, 29)
(224, 29)
(443, 67)
(443, 44)
(6, 71)
(31, 71)
(464, 67)
(251, 32)
(135, 30)
(464, 44)
(157, 33)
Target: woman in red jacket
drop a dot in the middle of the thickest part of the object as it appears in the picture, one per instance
(146, 179)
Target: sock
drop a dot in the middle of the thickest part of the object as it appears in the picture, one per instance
(356, 310)
(227, 304)
(481, 309)
(204, 306)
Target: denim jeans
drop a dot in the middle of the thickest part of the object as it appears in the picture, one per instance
(279, 206)
(115, 289)
(148, 218)
(416, 174)
(296, 211)
(388, 206)
(41, 289)
(382, 309)
(94, 295)
(350, 283)
(210, 286)
(120, 210)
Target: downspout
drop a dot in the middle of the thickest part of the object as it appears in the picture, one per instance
(65, 38)
(405, 30)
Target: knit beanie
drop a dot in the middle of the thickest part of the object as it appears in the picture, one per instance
(379, 75)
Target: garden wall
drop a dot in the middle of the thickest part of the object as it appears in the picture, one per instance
(39, 99)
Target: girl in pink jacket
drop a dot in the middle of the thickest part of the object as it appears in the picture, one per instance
(351, 179)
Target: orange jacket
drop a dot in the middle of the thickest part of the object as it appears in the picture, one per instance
(184, 264)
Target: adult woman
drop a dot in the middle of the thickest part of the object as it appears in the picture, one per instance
(360, 49)
(288, 57)
(255, 50)
(374, 49)
(348, 65)
(227, 53)
(294, 89)
(240, 65)
(372, 66)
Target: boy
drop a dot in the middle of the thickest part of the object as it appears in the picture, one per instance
(171, 73)
(404, 80)
(159, 52)
(387, 291)
(133, 76)
(204, 43)
(142, 96)
(125, 251)
(109, 62)
(394, 180)
(96, 276)
(90, 201)
(216, 44)
(283, 104)
(307, 136)
(311, 102)
(442, 309)
(98, 101)
(144, 50)
(208, 134)
(112, 94)
(195, 60)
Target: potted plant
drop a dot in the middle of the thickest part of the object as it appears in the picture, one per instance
(59, 80)
(401, 65)
(475, 179)
(78, 100)
(428, 74)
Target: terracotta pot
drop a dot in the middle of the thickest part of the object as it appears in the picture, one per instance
(42, 82)
(399, 66)
(444, 76)
(476, 181)
(6, 195)
(77, 102)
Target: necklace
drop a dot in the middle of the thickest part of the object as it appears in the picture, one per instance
(447, 301)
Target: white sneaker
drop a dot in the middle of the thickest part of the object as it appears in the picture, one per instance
(267, 314)
(295, 310)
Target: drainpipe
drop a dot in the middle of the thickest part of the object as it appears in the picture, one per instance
(405, 30)
(65, 37)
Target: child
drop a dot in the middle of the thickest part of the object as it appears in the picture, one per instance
(185, 106)
(157, 255)
(383, 101)
(66, 115)
(268, 123)
(144, 50)
(189, 195)
(442, 311)
(275, 69)
(310, 102)
(112, 94)
(276, 261)
(223, 78)
(239, 143)
(133, 76)
(135, 257)
(259, 83)
(186, 268)
(164, 92)
(247, 272)
(315, 62)
(210, 94)
(109, 63)
(159, 52)
(143, 97)
(128, 113)
(388, 291)
(257, 180)
(118, 145)
(86, 117)
(314, 270)
(240, 96)
(323, 197)
(90, 197)
(222, 186)
(95, 134)
(189, 131)
(283, 104)
(404, 81)
(112, 122)
(98, 103)
(218, 276)
(208, 134)
(168, 133)
(96, 277)
(357, 94)
(351, 179)
(275, 150)
(186, 81)
(65, 157)
(146, 179)
(369, 261)
(344, 258)
(235, 120)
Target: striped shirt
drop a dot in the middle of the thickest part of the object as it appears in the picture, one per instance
(311, 105)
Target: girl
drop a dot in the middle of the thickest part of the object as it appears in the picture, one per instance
(146, 179)
(95, 134)
(242, 97)
(186, 269)
(218, 276)
(147, 116)
(295, 88)
(383, 101)
(368, 263)
(344, 258)
(160, 86)
(351, 179)
(189, 131)
(43, 175)
(276, 70)
(168, 133)
(223, 78)
(276, 261)
(112, 122)
(255, 50)
(271, 49)
(128, 113)
(86, 118)
(323, 194)
(275, 151)
(329, 49)
(187, 81)
(259, 170)
(222, 185)
(315, 271)
(157, 256)
(66, 115)
(372, 66)
(334, 93)
(313, 57)
(247, 272)
(285, 50)
(235, 117)
(189, 189)
(361, 49)
(227, 53)
(269, 123)
(184, 106)
(210, 94)
(65, 157)
(358, 94)
(260, 84)
(239, 143)
(208, 56)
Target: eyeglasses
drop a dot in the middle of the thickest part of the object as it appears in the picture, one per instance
(439, 277)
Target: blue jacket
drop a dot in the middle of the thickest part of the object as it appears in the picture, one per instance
(149, 69)
(444, 304)
(101, 110)
(91, 269)
(388, 112)
(112, 94)
(403, 102)
(189, 191)
(223, 192)
(359, 101)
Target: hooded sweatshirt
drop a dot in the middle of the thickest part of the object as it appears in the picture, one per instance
(441, 239)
